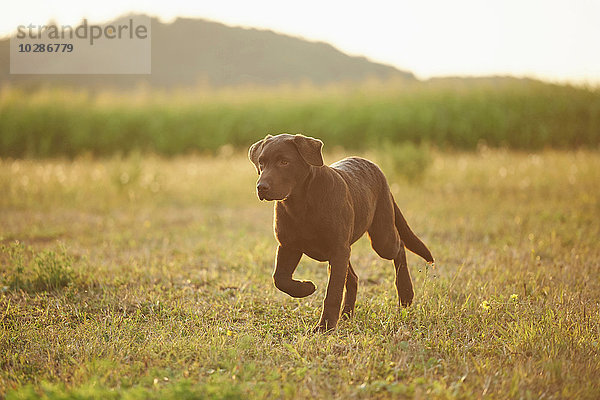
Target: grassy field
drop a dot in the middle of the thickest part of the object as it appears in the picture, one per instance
(461, 114)
(146, 277)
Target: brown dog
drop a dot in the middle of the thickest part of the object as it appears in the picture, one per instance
(320, 211)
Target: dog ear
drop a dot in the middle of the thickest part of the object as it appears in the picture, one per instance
(310, 149)
(255, 150)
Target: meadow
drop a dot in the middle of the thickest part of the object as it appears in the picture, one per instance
(145, 276)
(449, 114)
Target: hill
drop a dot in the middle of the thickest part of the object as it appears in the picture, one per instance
(191, 51)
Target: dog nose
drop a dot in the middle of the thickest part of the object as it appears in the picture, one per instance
(262, 187)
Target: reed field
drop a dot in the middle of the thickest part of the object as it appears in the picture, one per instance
(136, 259)
(456, 114)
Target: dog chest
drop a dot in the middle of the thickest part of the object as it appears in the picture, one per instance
(316, 236)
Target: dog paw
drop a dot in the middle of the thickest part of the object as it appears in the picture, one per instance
(325, 326)
(306, 288)
(322, 329)
(347, 313)
(406, 297)
(406, 302)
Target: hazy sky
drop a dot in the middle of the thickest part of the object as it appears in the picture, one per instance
(556, 40)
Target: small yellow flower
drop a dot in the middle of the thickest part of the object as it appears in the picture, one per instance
(485, 305)
(229, 333)
(514, 297)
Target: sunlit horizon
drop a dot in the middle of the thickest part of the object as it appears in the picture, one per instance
(551, 41)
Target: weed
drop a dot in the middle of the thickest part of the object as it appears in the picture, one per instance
(405, 160)
(28, 270)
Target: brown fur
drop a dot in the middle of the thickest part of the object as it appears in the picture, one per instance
(322, 210)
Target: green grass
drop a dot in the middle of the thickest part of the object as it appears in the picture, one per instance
(458, 115)
(31, 272)
(169, 295)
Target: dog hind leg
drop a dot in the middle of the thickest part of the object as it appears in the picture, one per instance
(385, 240)
(404, 284)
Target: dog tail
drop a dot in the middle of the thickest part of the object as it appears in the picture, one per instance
(411, 241)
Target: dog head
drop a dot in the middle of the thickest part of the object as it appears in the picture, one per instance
(282, 162)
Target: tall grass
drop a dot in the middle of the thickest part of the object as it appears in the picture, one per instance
(519, 114)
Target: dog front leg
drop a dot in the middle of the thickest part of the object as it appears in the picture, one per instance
(350, 293)
(286, 261)
(338, 269)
